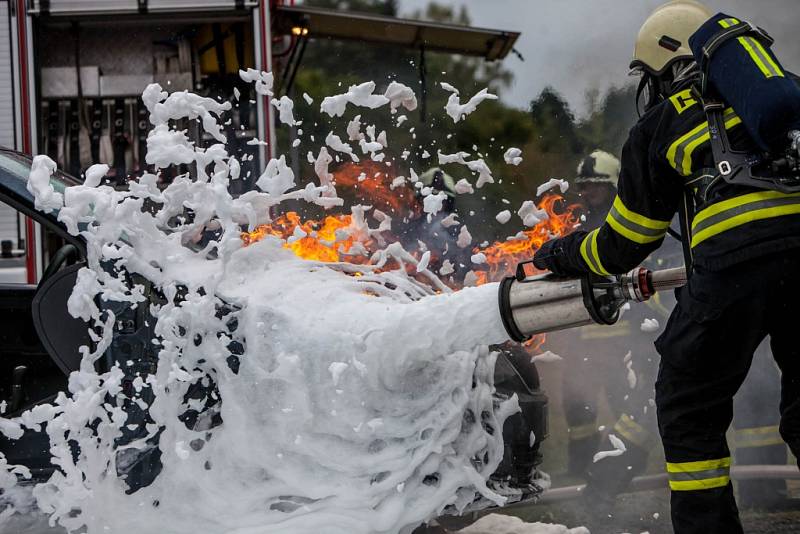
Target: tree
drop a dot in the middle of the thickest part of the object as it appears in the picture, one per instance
(555, 123)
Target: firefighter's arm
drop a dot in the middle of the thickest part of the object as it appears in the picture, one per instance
(634, 227)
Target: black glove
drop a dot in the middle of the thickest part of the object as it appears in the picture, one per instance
(548, 257)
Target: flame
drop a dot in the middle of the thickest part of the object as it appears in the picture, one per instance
(375, 188)
(320, 242)
(502, 257)
(534, 345)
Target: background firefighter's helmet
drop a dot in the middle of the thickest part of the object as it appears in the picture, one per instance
(598, 167)
(439, 180)
(664, 36)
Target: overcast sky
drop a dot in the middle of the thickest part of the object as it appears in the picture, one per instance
(577, 45)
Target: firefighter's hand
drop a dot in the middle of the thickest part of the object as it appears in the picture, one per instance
(548, 256)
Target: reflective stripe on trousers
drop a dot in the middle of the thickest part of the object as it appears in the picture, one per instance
(582, 431)
(705, 474)
(763, 436)
(632, 431)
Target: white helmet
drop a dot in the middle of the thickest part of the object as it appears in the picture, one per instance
(598, 167)
(436, 177)
(664, 36)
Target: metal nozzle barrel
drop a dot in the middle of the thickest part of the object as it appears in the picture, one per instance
(531, 305)
(668, 279)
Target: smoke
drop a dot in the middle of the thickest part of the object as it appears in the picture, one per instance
(586, 45)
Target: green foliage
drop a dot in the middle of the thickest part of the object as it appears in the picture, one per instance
(609, 121)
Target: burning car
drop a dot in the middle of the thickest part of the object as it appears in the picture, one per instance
(41, 349)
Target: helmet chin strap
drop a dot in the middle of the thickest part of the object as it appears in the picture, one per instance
(649, 90)
(659, 87)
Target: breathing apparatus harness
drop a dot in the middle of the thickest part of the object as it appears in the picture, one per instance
(763, 171)
(756, 169)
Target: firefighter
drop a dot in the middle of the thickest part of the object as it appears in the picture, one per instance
(600, 360)
(742, 242)
(756, 438)
(440, 181)
(590, 356)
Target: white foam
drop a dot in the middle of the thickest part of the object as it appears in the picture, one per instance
(347, 414)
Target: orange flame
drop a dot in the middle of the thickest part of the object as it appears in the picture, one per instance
(371, 184)
(320, 242)
(502, 256)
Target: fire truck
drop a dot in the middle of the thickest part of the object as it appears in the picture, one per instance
(72, 72)
(72, 75)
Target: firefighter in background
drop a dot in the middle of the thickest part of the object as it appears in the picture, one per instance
(595, 187)
(419, 234)
(440, 181)
(741, 235)
(613, 362)
(756, 437)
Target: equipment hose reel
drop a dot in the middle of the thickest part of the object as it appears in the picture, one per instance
(531, 305)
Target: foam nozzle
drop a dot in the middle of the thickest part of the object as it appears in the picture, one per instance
(531, 305)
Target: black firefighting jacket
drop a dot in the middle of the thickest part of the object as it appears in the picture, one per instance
(666, 156)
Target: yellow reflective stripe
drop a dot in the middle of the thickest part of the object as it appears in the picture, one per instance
(701, 465)
(633, 226)
(632, 431)
(731, 120)
(725, 205)
(679, 154)
(768, 56)
(585, 251)
(582, 431)
(744, 218)
(620, 329)
(699, 475)
(760, 57)
(590, 255)
(763, 436)
(727, 23)
(634, 217)
(596, 255)
(763, 205)
(630, 234)
(758, 431)
(624, 433)
(672, 153)
(694, 485)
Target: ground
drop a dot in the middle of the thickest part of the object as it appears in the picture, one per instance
(635, 515)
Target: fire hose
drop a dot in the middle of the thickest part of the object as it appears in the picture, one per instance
(531, 305)
(659, 481)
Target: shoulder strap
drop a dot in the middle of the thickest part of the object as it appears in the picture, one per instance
(722, 37)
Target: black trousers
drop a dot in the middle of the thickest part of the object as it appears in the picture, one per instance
(706, 351)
